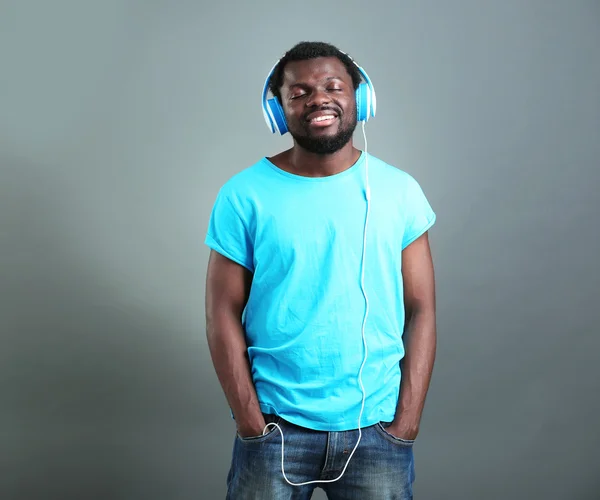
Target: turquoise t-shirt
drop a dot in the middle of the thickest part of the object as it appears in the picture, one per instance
(302, 239)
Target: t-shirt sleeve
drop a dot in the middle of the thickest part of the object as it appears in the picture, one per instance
(228, 231)
(419, 214)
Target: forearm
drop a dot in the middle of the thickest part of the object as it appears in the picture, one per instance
(417, 366)
(228, 350)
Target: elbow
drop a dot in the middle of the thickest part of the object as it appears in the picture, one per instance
(221, 321)
(420, 308)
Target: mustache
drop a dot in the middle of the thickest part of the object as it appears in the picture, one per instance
(335, 109)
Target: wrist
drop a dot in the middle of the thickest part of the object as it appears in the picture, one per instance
(405, 426)
(251, 427)
(403, 431)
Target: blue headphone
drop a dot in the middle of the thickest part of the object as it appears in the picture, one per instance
(366, 102)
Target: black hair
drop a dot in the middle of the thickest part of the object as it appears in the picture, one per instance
(311, 50)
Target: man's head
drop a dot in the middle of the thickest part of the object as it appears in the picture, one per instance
(316, 84)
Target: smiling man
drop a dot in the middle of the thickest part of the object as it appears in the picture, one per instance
(320, 301)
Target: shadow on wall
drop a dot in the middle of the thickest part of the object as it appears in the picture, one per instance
(102, 396)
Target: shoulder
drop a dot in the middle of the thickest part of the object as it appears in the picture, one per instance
(244, 182)
(394, 177)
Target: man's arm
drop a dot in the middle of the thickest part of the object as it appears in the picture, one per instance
(419, 337)
(227, 290)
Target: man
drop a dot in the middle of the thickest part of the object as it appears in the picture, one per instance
(287, 293)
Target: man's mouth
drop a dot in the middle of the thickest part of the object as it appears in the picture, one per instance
(326, 119)
(322, 118)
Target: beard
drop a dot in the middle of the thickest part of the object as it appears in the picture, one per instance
(327, 144)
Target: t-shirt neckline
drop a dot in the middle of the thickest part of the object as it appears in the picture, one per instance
(329, 178)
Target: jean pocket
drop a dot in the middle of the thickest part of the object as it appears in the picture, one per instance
(270, 430)
(381, 426)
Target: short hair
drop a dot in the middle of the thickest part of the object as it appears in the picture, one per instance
(311, 50)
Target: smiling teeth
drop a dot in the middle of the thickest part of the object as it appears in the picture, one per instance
(321, 118)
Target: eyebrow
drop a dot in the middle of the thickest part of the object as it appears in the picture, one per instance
(328, 79)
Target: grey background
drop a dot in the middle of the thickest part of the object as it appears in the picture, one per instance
(119, 121)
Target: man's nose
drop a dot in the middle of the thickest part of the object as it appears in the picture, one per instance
(318, 98)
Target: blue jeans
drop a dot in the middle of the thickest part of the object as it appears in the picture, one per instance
(382, 467)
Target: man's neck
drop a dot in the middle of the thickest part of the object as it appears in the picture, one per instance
(302, 162)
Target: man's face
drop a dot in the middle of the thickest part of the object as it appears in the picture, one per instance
(318, 100)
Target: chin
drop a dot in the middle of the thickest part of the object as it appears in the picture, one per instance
(327, 140)
(322, 133)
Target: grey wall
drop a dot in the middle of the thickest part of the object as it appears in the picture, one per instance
(119, 120)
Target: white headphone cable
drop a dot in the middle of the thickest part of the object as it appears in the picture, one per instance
(362, 285)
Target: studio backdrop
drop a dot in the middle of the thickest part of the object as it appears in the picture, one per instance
(119, 122)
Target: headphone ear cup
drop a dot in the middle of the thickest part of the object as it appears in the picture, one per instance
(276, 112)
(362, 102)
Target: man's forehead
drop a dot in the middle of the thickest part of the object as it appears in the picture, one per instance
(319, 68)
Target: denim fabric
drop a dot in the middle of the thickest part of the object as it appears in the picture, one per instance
(382, 468)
